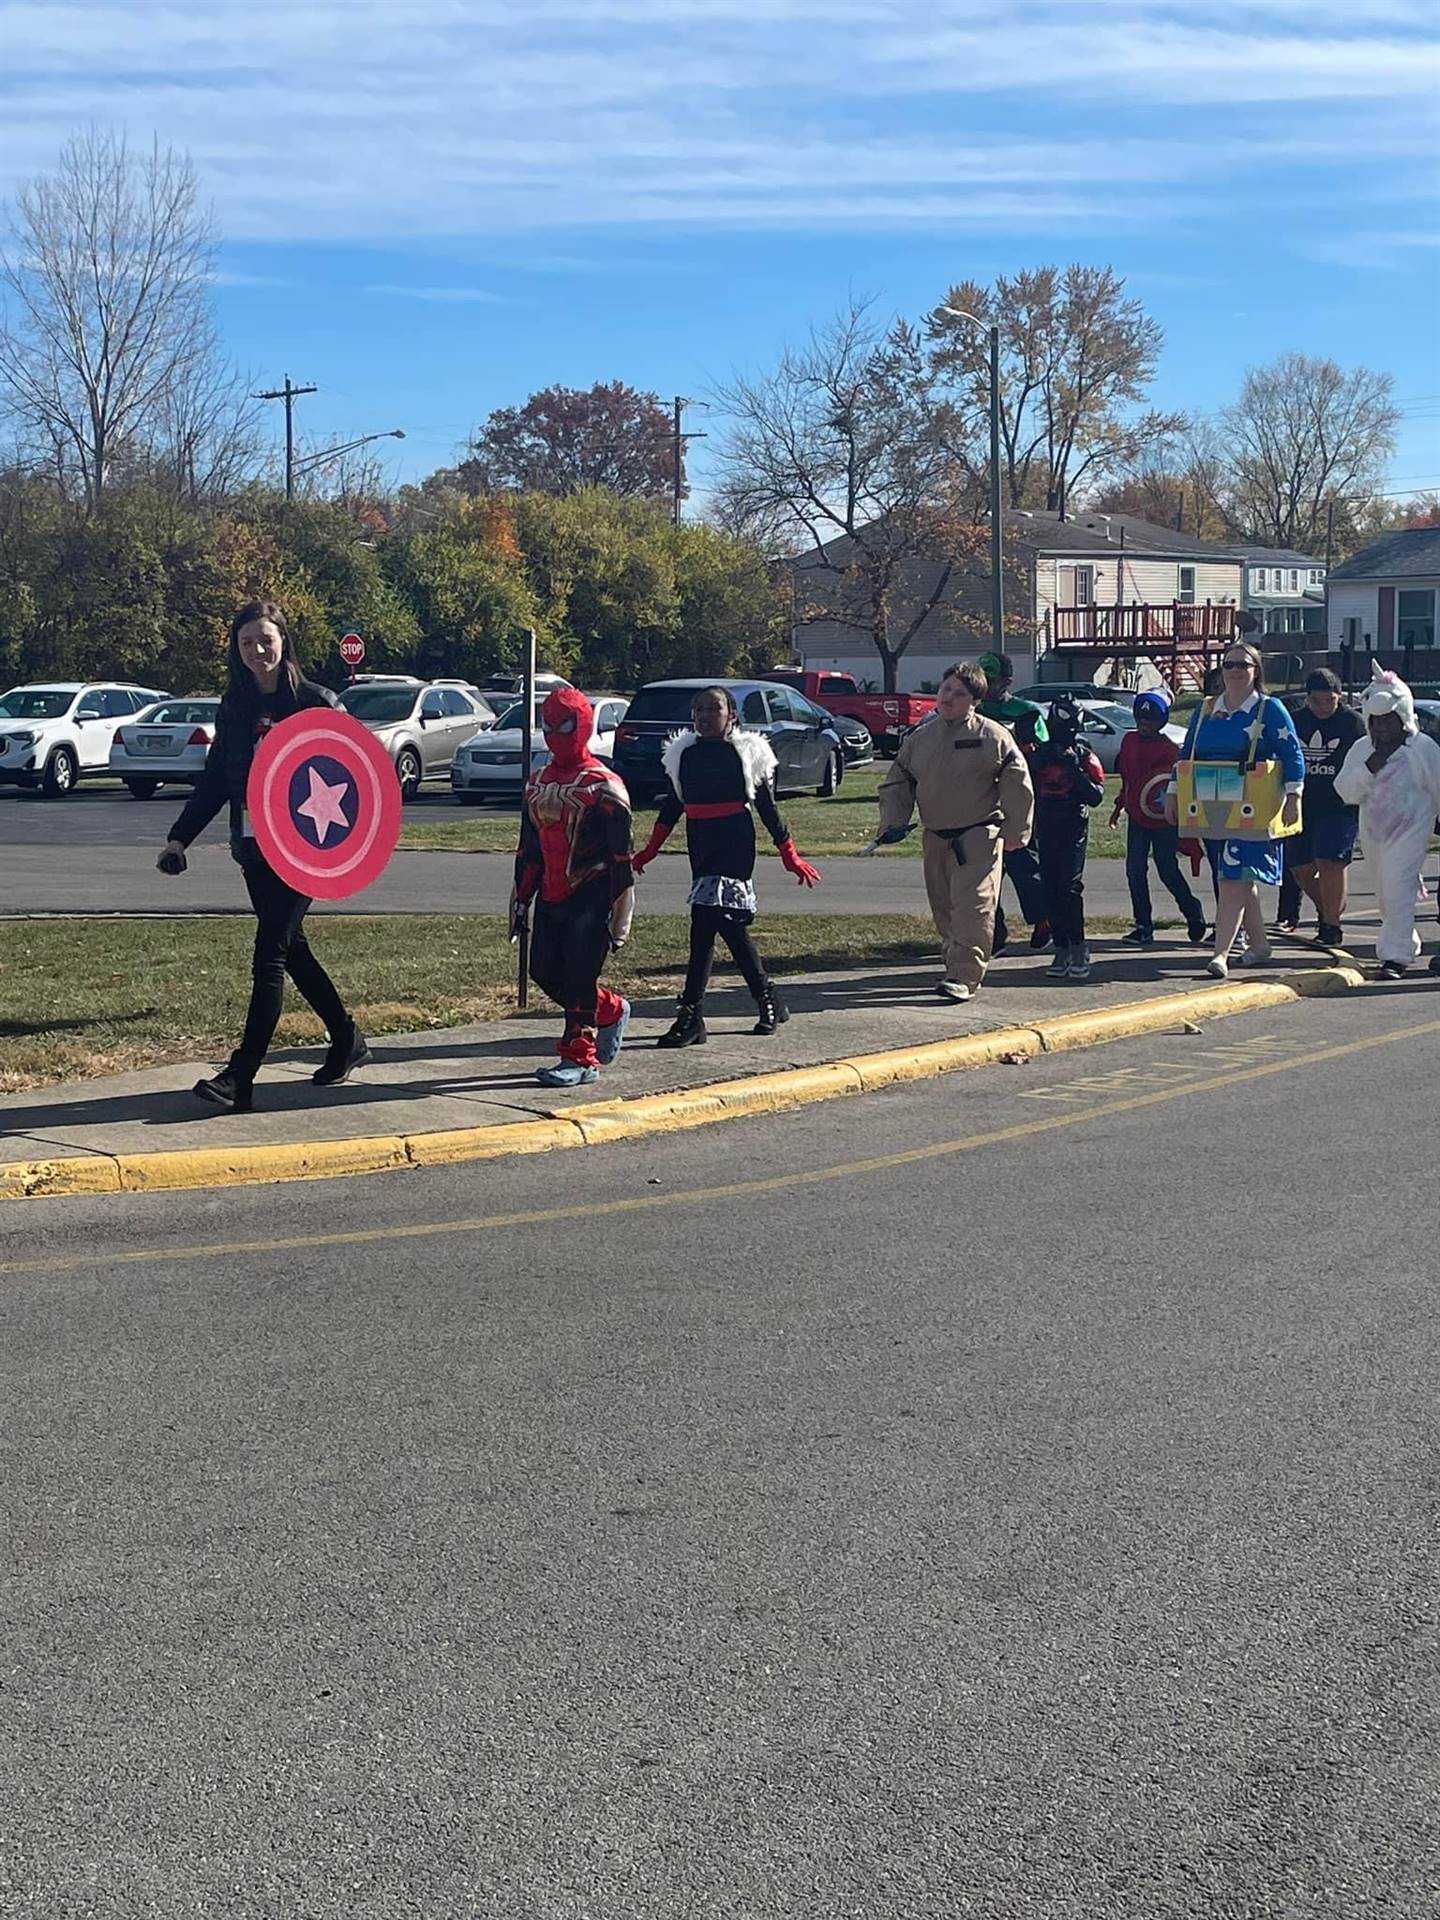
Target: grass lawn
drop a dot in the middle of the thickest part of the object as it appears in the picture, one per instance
(837, 826)
(86, 997)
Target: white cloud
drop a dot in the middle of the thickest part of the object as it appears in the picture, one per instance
(459, 295)
(328, 120)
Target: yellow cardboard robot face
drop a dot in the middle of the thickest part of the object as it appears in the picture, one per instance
(1218, 800)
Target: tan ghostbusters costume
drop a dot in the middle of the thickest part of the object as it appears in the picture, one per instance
(973, 790)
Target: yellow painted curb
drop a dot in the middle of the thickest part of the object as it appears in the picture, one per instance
(605, 1120)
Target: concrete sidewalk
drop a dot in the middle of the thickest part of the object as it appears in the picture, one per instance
(483, 1076)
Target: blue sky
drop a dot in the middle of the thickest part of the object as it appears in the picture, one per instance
(432, 207)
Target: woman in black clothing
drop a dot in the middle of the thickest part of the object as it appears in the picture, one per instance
(265, 687)
(716, 772)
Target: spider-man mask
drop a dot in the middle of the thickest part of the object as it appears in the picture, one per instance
(569, 721)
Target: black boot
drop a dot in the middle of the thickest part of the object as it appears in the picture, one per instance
(688, 1030)
(349, 1051)
(772, 1007)
(227, 1091)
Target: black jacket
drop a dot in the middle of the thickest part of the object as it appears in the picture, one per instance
(227, 765)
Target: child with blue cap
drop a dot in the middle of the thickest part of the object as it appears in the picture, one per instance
(1144, 763)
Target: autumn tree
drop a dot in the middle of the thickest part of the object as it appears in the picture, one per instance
(1305, 444)
(1179, 495)
(840, 455)
(1076, 360)
(564, 439)
(109, 348)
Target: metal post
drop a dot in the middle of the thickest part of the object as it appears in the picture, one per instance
(997, 555)
(527, 733)
(679, 454)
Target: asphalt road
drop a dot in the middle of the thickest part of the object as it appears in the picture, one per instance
(1011, 1496)
(95, 853)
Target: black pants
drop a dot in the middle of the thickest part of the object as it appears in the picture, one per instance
(1163, 843)
(706, 925)
(569, 945)
(280, 948)
(1062, 868)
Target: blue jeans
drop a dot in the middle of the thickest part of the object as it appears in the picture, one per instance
(1163, 843)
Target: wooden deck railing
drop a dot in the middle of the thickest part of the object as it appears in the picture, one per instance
(1179, 622)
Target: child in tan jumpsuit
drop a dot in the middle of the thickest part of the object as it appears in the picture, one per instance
(973, 790)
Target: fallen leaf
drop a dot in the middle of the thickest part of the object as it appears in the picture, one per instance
(1014, 1059)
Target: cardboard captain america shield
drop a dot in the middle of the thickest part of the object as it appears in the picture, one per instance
(324, 803)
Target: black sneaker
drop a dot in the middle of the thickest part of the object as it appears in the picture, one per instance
(1434, 966)
(1138, 937)
(1198, 933)
(226, 1092)
(350, 1051)
(1330, 936)
(1388, 970)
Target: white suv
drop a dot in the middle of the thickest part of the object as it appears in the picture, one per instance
(56, 731)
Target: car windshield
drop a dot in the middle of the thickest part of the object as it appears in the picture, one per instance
(36, 703)
(1120, 717)
(380, 706)
(671, 704)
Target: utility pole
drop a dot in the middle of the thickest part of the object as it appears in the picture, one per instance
(289, 394)
(679, 440)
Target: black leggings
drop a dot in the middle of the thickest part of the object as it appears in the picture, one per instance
(706, 924)
(280, 948)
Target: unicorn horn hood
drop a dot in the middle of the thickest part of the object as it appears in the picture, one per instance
(1388, 693)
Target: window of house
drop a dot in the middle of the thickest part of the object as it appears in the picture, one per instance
(1415, 617)
(1084, 586)
(1294, 579)
(1261, 579)
(1317, 576)
(1187, 585)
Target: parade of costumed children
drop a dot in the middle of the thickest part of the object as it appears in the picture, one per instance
(1393, 776)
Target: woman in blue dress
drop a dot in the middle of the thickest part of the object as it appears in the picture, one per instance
(1221, 731)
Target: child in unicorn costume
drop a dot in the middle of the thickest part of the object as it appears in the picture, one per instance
(1393, 776)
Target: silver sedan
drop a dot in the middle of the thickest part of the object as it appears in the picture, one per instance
(166, 742)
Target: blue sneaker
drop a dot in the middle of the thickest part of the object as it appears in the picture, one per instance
(609, 1040)
(567, 1074)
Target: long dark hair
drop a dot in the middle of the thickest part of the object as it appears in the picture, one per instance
(242, 693)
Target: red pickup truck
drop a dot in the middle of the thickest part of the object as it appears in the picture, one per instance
(889, 716)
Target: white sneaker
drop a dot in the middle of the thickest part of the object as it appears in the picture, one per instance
(1218, 969)
(954, 990)
(1256, 957)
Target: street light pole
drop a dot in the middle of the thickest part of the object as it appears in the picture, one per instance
(333, 453)
(997, 544)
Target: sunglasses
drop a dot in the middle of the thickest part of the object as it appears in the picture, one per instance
(1237, 666)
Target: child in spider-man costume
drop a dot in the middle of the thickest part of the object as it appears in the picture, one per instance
(575, 853)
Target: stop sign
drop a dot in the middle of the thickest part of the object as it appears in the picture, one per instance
(352, 649)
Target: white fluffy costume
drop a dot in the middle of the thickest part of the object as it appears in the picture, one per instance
(1398, 806)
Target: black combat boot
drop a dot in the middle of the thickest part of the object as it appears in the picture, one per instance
(772, 1007)
(349, 1050)
(688, 1030)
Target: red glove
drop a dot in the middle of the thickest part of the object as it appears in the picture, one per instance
(659, 835)
(807, 875)
(1195, 852)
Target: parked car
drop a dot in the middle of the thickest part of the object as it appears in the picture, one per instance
(1105, 723)
(488, 767)
(167, 741)
(509, 685)
(56, 732)
(1046, 691)
(886, 717)
(1427, 714)
(421, 723)
(854, 738)
(805, 743)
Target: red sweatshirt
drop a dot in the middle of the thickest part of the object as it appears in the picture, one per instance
(1144, 769)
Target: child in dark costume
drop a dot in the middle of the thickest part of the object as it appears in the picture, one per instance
(1068, 781)
(717, 772)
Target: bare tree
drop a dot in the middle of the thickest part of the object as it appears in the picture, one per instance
(111, 321)
(207, 435)
(841, 453)
(1304, 440)
(1075, 358)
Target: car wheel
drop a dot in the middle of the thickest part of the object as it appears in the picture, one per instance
(834, 774)
(407, 772)
(143, 789)
(60, 773)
